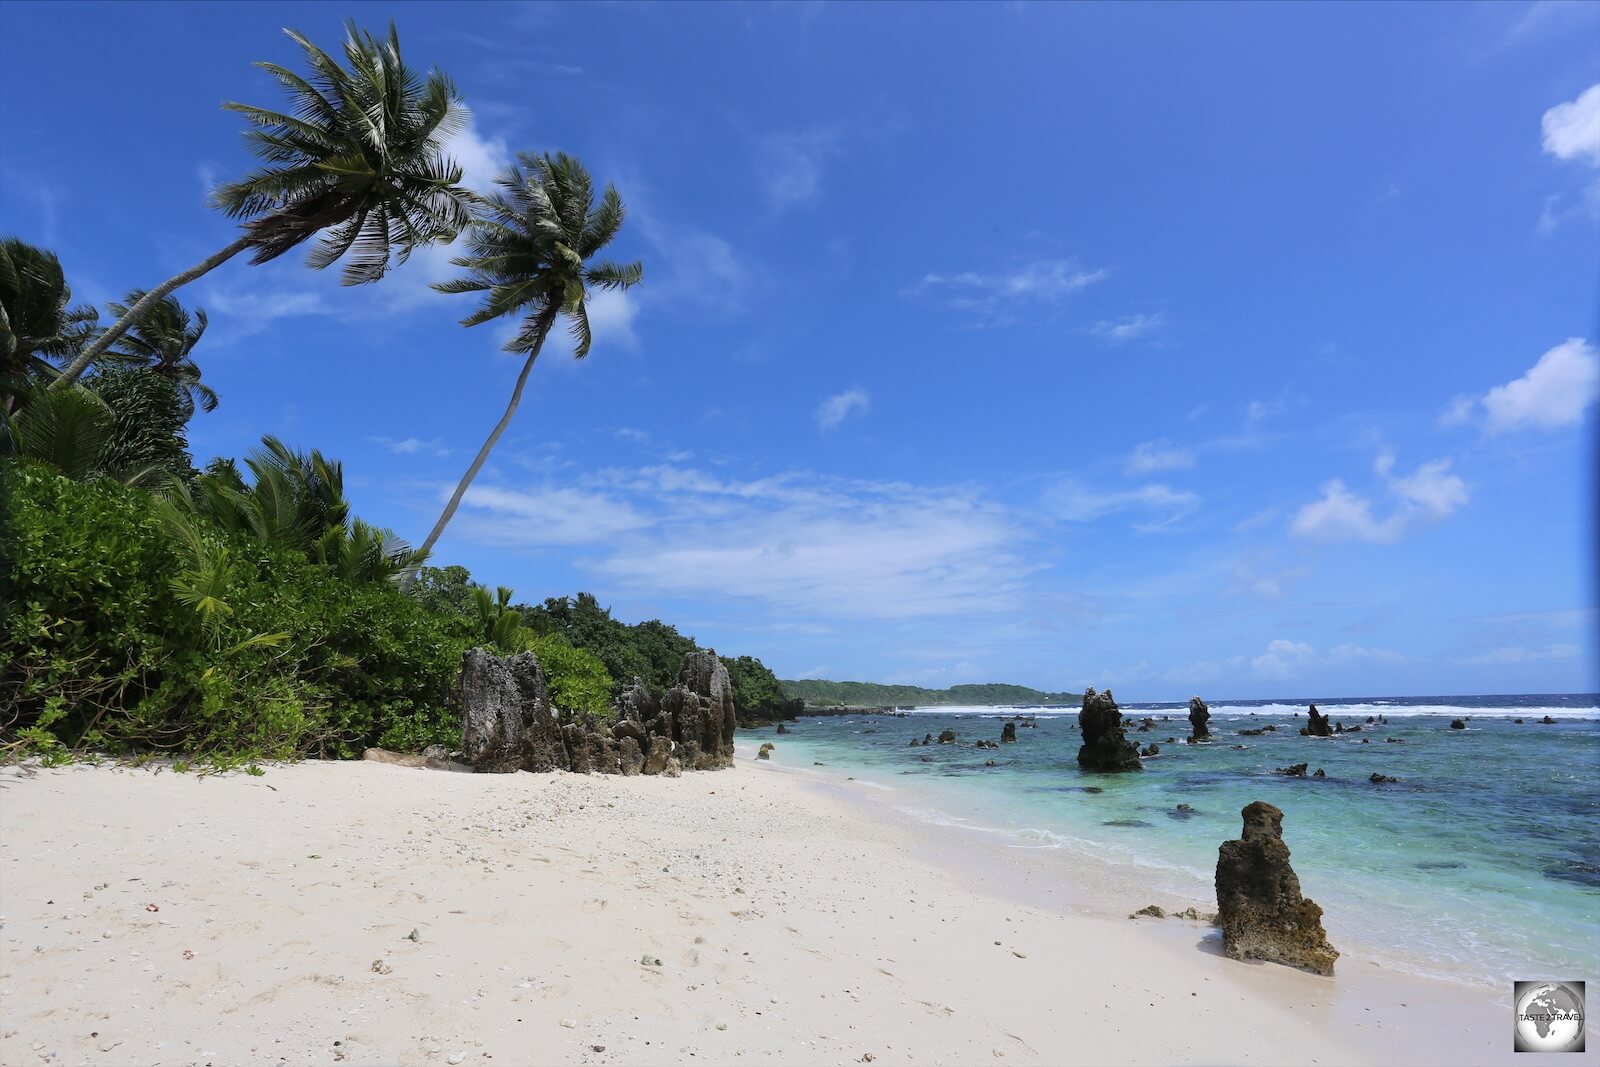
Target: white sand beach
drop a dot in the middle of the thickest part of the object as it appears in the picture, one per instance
(761, 914)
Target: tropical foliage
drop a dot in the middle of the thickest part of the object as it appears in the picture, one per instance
(163, 342)
(245, 611)
(37, 325)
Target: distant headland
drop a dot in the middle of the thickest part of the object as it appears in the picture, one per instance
(817, 692)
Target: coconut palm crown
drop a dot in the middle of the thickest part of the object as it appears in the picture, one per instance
(529, 250)
(359, 154)
(359, 157)
(37, 324)
(529, 253)
(163, 341)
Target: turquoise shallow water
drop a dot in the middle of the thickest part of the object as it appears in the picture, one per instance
(1482, 863)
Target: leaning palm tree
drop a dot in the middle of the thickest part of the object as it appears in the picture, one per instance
(163, 342)
(37, 325)
(529, 252)
(360, 157)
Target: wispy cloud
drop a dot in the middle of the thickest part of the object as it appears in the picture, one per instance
(541, 516)
(791, 164)
(411, 446)
(1282, 659)
(1256, 576)
(1075, 501)
(995, 298)
(1430, 492)
(1518, 654)
(835, 409)
(798, 542)
(693, 267)
(1132, 328)
(1160, 455)
(1552, 19)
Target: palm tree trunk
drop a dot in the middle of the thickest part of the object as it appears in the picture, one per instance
(75, 369)
(481, 458)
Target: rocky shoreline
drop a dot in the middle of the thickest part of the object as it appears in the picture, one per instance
(509, 724)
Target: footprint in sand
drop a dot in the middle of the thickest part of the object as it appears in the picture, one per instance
(594, 904)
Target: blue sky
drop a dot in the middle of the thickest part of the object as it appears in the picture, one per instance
(1242, 350)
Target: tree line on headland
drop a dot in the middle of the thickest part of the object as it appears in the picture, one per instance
(243, 611)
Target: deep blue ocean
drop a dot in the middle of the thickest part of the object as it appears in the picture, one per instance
(1481, 863)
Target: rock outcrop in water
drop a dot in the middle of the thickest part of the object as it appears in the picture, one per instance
(1319, 725)
(1105, 746)
(1008, 733)
(1260, 908)
(1457, 724)
(1199, 717)
(508, 723)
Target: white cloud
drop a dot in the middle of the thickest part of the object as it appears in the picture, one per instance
(1254, 576)
(1129, 329)
(482, 159)
(1572, 129)
(1517, 654)
(1554, 392)
(791, 164)
(1348, 653)
(1257, 410)
(1572, 133)
(264, 305)
(1076, 502)
(411, 446)
(805, 544)
(541, 516)
(1159, 455)
(1429, 492)
(1459, 411)
(1281, 659)
(692, 266)
(1431, 489)
(997, 296)
(611, 315)
(835, 409)
(1341, 515)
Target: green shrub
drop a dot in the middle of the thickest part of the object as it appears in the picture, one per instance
(88, 627)
(755, 687)
(103, 646)
(579, 681)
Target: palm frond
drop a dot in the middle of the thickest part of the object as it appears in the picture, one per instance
(357, 157)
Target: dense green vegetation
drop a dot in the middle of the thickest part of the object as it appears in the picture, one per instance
(244, 611)
(873, 694)
(131, 627)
